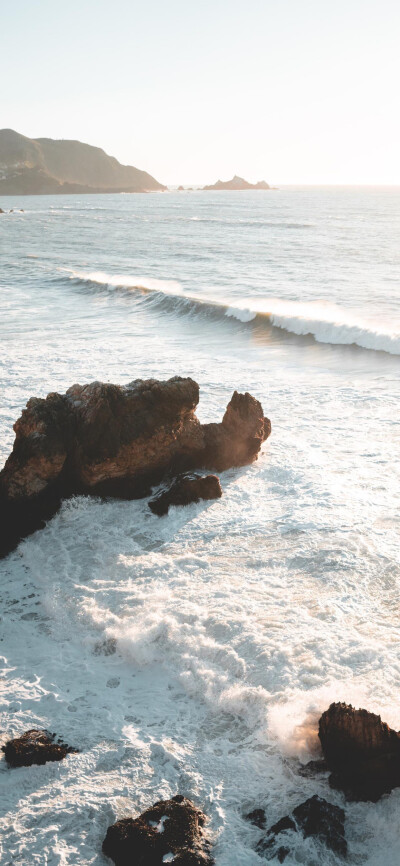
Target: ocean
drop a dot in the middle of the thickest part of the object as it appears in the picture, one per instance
(194, 653)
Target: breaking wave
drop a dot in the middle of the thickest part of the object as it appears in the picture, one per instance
(325, 322)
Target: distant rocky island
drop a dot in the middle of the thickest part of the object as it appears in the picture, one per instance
(237, 183)
(31, 166)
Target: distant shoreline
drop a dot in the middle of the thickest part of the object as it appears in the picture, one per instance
(195, 189)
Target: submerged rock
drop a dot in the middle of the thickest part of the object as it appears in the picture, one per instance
(257, 817)
(108, 440)
(361, 751)
(170, 827)
(186, 489)
(35, 747)
(315, 817)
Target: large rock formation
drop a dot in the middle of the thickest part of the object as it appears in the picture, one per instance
(44, 165)
(171, 831)
(315, 817)
(35, 747)
(361, 751)
(108, 440)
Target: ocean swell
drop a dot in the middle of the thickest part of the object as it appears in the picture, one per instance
(326, 323)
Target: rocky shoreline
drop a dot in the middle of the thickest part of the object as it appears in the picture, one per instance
(357, 747)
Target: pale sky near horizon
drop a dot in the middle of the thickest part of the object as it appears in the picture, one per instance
(290, 91)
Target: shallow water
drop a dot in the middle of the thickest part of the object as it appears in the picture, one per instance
(194, 653)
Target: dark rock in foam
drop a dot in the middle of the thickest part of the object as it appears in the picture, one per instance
(184, 490)
(35, 747)
(361, 751)
(257, 817)
(169, 827)
(315, 817)
(108, 440)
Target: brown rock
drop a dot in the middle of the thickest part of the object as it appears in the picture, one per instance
(169, 827)
(108, 440)
(361, 751)
(238, 439)
(35, 747)
(184, 490)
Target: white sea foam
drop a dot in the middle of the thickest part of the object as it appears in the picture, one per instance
(193, 654)
(242, 315)
(329, 324)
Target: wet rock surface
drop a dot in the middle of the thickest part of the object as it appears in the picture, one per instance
(361, 751)
(184, 490)
(35, 747)
(170, 827)
(108, 440)
(315, 817)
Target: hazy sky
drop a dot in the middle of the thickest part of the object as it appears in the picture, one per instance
(290, 91)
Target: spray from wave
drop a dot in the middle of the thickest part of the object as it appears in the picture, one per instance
(325, 322)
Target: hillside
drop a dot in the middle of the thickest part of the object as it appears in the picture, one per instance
(237, 183)
(44, 165)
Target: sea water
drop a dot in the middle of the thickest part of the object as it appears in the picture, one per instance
(194, 653)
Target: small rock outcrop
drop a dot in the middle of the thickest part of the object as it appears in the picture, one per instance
(237, 440)
(237, 183)
(361, 751)
(108, 440)
(170, 827)
(315, 817)
(184, 490)
(35, 747)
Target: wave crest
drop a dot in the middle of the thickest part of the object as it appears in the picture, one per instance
(326, 323)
